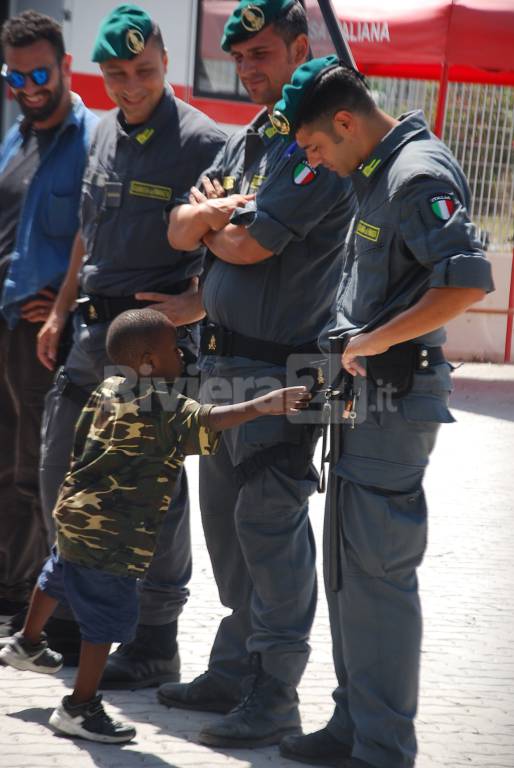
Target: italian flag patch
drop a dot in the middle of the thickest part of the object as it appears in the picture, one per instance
(303, 174)
(442, 206)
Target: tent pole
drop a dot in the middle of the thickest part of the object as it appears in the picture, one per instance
(441, 101)
(510, 315)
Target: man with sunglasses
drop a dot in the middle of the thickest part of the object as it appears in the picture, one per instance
(41, 164)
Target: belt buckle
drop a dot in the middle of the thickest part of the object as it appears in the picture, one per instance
(87, 309)
(212, 342)
(61, 380)
(217, 341)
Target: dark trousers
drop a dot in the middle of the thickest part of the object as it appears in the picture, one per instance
(24, 383)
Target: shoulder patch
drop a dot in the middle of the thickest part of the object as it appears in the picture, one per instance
(442, 206)
(303, 174)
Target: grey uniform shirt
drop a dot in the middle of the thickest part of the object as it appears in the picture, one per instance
(130, 178)
(412, 231)
(300, 214)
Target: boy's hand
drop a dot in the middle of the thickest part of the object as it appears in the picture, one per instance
(288, 400)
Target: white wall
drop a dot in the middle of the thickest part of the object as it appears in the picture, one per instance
(481, 337)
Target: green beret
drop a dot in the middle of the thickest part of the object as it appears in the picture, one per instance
(122, 34)
(250, 17)
(294, 93)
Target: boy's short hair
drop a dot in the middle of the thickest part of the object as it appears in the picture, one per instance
(30, 27)
(133, 333)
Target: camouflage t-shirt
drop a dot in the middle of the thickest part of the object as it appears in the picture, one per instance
(129, 448)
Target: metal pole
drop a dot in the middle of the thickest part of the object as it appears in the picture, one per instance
(441, 102)
(510, 315)
(336, 33)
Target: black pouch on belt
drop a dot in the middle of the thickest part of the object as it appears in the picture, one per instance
(394, 369)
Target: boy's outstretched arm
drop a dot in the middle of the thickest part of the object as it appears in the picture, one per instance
(276, 403)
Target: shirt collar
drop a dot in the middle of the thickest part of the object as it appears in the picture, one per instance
(262, 126)
(165, 110)
(73, 117)
(411, 125)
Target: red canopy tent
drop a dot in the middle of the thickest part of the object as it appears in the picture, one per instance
(417, 38)
(445, 40)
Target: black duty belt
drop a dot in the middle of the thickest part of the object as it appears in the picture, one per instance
(96, 308)
(219, 341)
(396, 367)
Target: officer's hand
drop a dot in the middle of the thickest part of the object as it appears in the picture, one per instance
(363, 345)
(37, 310)
(181, 309)
(288, 400)
(217, 212)
(212, 188)
(48, 338)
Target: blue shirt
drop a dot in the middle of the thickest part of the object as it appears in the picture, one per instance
(49, 219)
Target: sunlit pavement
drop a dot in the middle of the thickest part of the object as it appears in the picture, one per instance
(466, 713)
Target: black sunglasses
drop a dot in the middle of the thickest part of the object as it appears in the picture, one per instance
(39, 76)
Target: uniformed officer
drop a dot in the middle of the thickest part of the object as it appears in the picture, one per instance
(267, 294)
(148, 150)
(412, 262)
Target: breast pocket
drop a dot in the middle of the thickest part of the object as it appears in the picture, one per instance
(372, 251)
(60, 214)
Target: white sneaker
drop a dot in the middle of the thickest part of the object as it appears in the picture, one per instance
(38, 657)
(89, 721)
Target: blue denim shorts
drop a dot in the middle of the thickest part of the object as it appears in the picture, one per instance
(106, 607)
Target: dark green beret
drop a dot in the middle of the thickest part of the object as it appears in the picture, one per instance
(250, 17)
(122, 34)
(294, 93)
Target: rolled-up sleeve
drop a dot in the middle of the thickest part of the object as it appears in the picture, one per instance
(436, 228)
(291, 202)
(189, 432)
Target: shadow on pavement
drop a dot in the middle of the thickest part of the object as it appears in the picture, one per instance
(130, 756)
(186, 724)
(487, 397)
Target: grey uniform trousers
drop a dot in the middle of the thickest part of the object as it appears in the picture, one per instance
(259, 539)
(164, 590)
(375, 618)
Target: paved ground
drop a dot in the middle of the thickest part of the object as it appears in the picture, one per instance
(466, 715)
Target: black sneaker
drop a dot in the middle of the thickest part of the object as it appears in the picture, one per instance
(89, 721)
(31, 657)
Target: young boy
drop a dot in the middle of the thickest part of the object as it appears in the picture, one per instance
(130, 444)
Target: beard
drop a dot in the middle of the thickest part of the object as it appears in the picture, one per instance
(39, 114)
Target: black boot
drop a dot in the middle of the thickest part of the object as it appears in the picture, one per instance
(205, 693)
(267, 713)
(318, 748)
(11, 625)
(150, 659)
